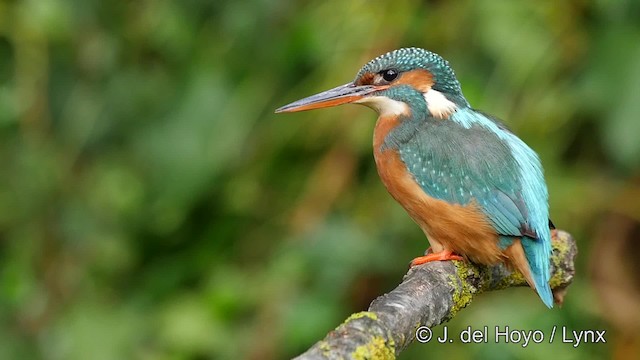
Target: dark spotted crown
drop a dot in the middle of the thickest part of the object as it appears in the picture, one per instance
(407, 59)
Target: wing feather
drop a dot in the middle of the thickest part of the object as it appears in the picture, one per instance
(475, 166)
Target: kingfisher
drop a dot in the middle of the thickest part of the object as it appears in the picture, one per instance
(475, 189)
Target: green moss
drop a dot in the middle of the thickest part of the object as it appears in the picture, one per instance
(561, 247)
(362, 314)
(516, 278)
(557, 280)
(324, 347)
(463, 291)
(377, 349)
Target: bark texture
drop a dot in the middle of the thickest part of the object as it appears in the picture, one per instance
(429, 295)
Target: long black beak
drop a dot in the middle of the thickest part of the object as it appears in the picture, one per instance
(343, 94)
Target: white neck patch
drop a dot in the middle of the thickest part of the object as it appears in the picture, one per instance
(385, 106)
(439, 106)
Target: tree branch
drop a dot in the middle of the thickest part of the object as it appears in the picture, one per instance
(428, 296)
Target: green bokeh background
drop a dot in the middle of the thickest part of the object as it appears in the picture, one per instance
(152, 206)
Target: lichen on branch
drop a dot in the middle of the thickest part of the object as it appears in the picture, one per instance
(429, 295)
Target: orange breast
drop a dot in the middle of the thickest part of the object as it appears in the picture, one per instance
(462, 229)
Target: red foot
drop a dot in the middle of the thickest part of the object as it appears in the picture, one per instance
(441, 256)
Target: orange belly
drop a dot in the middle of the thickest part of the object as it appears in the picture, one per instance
(462, 229)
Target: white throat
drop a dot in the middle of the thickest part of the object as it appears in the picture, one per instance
(439, 106)
(385, 106)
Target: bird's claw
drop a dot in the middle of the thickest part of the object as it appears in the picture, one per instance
(444, 255)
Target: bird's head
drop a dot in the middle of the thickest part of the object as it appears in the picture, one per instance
(403, 81)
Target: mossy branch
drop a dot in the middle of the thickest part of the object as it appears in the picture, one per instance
(428, 296)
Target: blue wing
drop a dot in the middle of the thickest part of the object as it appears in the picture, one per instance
(461, 165)
(472, 157)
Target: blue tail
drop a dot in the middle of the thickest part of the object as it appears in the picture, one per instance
(537, 252)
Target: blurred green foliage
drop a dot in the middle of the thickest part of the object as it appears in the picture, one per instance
(152, 206)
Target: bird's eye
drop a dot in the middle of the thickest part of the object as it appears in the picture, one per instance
(389, 75)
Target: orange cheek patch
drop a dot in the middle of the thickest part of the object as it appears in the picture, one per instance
(419, 79)
(366, 79)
